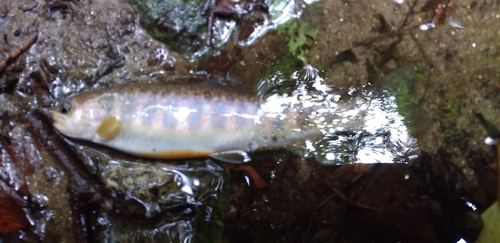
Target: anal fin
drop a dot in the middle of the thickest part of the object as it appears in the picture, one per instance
(232, 156)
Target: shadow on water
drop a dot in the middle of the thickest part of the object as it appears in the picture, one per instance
(155, 201)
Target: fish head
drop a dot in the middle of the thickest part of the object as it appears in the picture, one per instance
(78, 118)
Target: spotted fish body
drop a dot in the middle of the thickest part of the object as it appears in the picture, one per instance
(173, 121)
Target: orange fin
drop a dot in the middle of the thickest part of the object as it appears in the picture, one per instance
(109, 128)
(173, 154)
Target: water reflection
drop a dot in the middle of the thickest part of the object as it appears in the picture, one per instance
(158, 201)
(280, 11)
(364, 127)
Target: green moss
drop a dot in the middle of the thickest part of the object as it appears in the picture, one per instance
(402, 84)
(177, 23)
(302, 32)
(301, 35)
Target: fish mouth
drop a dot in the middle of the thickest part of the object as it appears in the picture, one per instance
(62, 125)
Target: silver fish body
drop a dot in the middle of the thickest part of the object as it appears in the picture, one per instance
(174, 121)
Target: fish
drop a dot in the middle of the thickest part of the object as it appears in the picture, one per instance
(178, 121)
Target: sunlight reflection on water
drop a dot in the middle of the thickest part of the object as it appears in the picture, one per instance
(360, 129)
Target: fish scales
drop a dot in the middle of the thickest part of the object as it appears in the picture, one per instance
(141, 99)
(170, 121)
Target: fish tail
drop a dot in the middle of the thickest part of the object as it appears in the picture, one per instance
(296, 121)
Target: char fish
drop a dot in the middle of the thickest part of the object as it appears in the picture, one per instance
(172, 121)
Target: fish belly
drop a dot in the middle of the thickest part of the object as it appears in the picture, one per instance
(184, 143)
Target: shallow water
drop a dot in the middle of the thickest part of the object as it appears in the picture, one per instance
(365, 127)
(395, 104)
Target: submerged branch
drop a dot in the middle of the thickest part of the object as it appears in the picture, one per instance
(16, 53)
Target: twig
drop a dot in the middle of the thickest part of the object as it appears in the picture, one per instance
(40, 127)
(422, 51)
(16, 53)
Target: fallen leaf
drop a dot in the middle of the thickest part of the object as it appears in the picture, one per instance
(491, 225)
(12, 217)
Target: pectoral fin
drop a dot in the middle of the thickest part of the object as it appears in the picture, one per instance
(233, 156)
(109, 128)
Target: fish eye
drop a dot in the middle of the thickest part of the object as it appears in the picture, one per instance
(65, 107)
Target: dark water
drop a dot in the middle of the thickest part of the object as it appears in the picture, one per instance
(393, 87)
